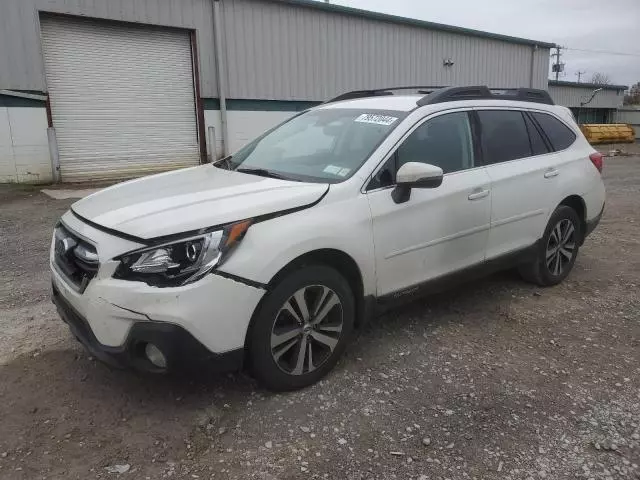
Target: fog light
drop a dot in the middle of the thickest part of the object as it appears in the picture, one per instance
(155, 356)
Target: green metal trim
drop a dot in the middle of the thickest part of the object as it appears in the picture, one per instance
(211, 103)
(30, 92)
(11, 101)
(562, 83)
(246, 105)
(251, 105)
(330, 7)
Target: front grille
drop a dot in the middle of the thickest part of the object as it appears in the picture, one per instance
(75, 258)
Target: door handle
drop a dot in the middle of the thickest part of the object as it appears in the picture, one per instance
(551, 173)
(478, 194)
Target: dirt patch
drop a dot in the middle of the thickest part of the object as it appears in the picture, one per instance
(493, 380)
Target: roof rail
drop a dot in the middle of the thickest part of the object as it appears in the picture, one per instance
(359, 94)
(451, 94)
(481, 92)
(524, 95)
(422, 89)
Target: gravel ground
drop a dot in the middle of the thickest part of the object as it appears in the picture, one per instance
(493, 380)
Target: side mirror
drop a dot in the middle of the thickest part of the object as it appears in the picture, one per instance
(415, 175)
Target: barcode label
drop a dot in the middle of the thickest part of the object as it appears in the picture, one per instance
(375, 118)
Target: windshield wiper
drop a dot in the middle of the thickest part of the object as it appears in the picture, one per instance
(263, 172)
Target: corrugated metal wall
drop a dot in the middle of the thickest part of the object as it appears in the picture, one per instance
(283, 51)
(21, 65)
(570, 96)
(288, 52)
(630, 116)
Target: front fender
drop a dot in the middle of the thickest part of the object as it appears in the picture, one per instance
(271, 245)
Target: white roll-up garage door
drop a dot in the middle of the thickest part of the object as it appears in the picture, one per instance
(122, 98)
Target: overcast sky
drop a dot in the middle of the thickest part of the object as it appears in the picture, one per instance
(611, 25)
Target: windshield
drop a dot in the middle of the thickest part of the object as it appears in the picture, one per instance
(327, 145)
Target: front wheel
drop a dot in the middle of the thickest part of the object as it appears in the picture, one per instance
(301, 328)
(557, 251)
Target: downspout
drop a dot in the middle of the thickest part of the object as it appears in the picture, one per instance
(220, 63)
(534, 49)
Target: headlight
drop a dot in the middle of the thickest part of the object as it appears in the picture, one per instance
(182, 261)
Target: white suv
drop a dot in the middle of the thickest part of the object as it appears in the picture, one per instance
(273, 256)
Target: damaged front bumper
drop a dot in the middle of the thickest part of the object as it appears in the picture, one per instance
(116, 320)
(180, 349)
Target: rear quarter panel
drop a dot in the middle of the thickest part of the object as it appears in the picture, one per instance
(578, 176)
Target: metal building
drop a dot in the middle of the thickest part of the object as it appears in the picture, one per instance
(119, 88)
(589, 102)
(631, 115)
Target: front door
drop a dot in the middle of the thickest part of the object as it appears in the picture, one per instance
(437, 231)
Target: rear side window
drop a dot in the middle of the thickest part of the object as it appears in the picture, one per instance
(558, 133)
(504, 136)
(538, 145)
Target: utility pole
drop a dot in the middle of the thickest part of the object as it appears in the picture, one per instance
(557, 67)
(579, 74)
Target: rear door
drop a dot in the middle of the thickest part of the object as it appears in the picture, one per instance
(439, 230)
(522, 170)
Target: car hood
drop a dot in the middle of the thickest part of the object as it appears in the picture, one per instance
(190, 199)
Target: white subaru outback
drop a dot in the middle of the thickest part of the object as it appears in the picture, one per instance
(271, 257)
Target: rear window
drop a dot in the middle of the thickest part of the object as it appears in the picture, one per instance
(558, 133)
(504, 135)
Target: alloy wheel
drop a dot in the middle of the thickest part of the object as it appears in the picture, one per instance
(561, 247)
(306, 329)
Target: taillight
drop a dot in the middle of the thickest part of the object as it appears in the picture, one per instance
(597, 160)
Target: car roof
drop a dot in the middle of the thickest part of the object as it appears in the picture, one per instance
(407, 103)
(403, 103)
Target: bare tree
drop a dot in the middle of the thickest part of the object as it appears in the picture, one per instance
(601, 79)
(632, 97)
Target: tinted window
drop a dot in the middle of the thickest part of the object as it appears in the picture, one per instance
(558, 133)
(444, 141)
(538, 144)
(504, 136)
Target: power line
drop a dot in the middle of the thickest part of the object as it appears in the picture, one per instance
(607, 52)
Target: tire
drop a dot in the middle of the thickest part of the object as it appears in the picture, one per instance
(281, 327)
(545, 271)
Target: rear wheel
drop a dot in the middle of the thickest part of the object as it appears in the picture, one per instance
(557, 251)
(301, 329)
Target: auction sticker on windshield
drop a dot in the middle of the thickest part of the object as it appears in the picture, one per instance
(375, 118)
(332, 169)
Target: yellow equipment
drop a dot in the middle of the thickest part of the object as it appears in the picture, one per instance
(608, 133)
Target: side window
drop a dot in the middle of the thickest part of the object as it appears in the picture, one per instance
(504, 136)
(558, 133)
(444, 141)
(538, 145)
